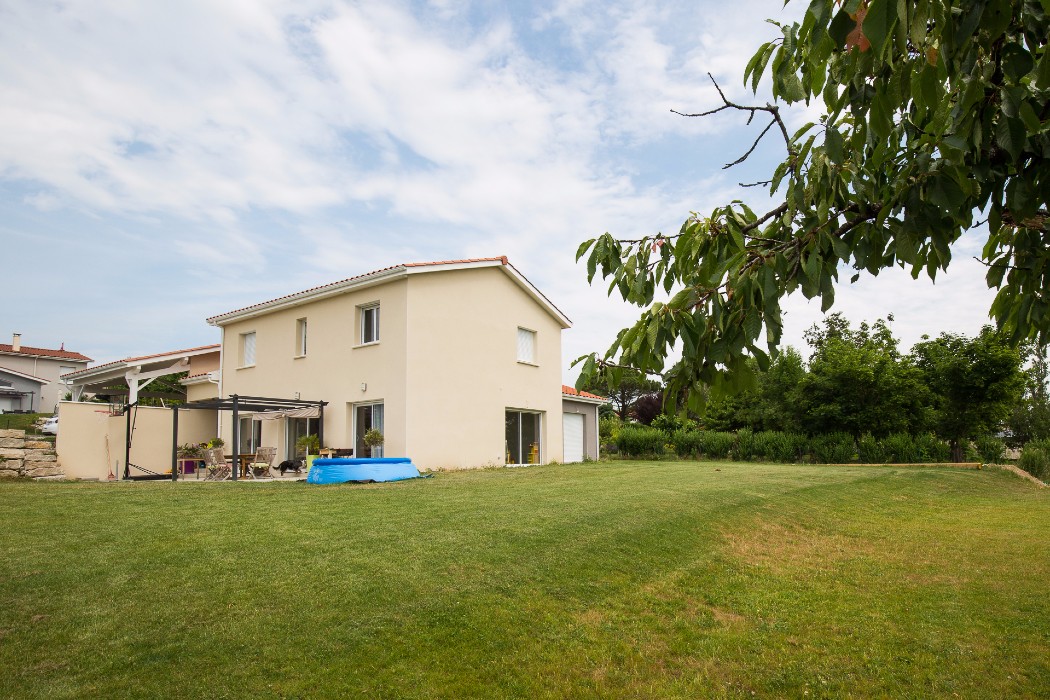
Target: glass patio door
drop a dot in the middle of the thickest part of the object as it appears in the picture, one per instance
(366, 417)
(523, 437)
(297, 427)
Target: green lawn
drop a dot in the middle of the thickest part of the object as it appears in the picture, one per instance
(601, 580)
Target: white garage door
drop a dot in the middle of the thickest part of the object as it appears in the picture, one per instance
(572, 436)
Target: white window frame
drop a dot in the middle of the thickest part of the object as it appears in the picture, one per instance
(366, 310)
(526, 353)
(248, 358)
(300, 337)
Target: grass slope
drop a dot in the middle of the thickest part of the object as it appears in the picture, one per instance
(623, 580)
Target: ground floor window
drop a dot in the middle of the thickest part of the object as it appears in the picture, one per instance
(366, 417)
(523, 437)
(297, 428)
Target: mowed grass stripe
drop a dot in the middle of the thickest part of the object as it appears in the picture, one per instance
(611, 580)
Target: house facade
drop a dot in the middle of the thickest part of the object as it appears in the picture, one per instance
(457, 363)
(30, 377)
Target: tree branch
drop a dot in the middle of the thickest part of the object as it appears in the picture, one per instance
(773, 110)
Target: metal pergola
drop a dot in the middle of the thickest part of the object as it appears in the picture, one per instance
(236, 404)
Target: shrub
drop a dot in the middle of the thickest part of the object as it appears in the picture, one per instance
(639, 440)
(1035, 459)
(745, 445)
(871, 451)
(833, 448)
(715, 444)
(673, 424)
(990, 449)
(900, 448)
(688, 443)
(777, 446)
(609, 428)
(932, 449)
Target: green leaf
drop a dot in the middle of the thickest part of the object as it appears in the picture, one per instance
(787, 85)
(878, 24)
(583, 248)
(1042, 74)
(1016, 62)
(752, 324)
(833, 145)
(1010, 135)
(840, 27)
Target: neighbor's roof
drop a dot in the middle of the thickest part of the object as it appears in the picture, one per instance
(118, 365)
(388, 274)
(577, 394)
(23, 375)
(62, 354)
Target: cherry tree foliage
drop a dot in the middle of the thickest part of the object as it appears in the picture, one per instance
(936, 120)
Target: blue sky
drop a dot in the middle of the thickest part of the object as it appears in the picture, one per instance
(165, 162)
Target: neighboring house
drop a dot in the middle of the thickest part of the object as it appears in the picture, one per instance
(458, 363)
(19, 391)
(45, 367)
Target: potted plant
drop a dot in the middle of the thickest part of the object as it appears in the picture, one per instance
(373, 438)
(189, 456)
(310, 446)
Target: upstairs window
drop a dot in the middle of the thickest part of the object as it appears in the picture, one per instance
(526, 346)
(370, 324)
(300, 337)
(247, 349)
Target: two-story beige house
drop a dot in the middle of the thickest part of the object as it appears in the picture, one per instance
(458, 363)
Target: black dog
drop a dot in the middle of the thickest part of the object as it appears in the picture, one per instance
(290, 465)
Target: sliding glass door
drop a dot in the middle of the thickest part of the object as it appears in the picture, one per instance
(366, 417)
(523, 437)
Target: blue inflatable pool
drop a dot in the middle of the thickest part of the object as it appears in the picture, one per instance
(339, 470)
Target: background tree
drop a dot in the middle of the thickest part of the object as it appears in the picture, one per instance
(976, 383)
(934, 111)
(629, 388)
(647, 407)
(858, 382)
(1030, 419)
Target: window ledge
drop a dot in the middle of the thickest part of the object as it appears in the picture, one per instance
(364, 345)
(298, 357)
(245, 367)
(528, 364)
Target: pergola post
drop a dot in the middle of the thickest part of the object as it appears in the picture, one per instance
(127, 441)
(174, 443)
(320, 424)
(236, 438)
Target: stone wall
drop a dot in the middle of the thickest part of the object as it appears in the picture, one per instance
(26, 457)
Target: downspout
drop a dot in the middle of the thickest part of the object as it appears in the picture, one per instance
(222, 373)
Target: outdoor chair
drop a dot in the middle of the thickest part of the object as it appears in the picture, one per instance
(262, 461)
(216, 468)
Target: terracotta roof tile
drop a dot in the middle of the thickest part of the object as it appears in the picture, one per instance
(44, 352)
(573, 391)
(502, 259)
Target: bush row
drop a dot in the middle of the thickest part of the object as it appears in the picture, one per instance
(1035, 459)
(775, 446)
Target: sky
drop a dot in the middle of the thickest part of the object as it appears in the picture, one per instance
(161, 163)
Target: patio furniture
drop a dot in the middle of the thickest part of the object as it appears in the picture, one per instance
(216, 468)
(263, 461)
